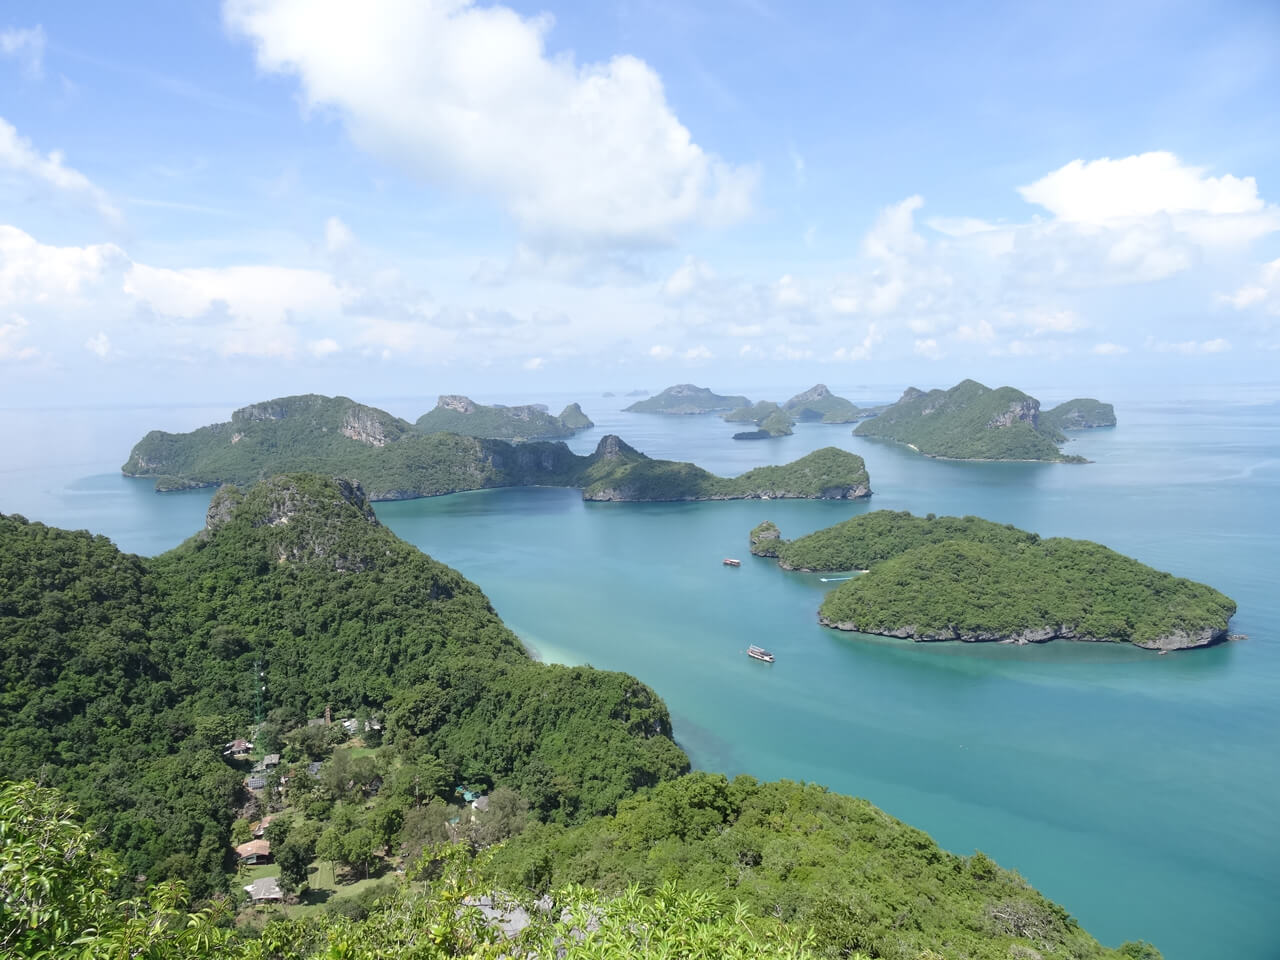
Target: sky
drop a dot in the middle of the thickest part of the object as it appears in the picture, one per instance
(239, 200)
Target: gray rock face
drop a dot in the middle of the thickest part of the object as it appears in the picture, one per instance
(1027, 411)
(1181, 640)
(363, 425)
(455, 401)
(764, 540)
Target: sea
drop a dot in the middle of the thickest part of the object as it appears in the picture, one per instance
(1140, 791)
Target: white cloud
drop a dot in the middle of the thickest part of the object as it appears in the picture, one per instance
(12, 335)
(698, 354)
(862, 350)
(32, 273)
(99, 343)
(1190, 347)
(660, 351)
(338, 238)
(18, 154)
(323, 347)
(26, 46)
(465, 94)
(1109, 349)
(533, 363)
(928, 348)
(745, 330)
(797, 164)
(1055, 321)
(1263, 292)
(1139, 186)
(688, 278)
(787, 294)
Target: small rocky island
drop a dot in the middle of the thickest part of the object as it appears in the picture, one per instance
(819, 403)
(686, 399)
(964, 578)
(973, 422)
(769, 418)
(395, 461)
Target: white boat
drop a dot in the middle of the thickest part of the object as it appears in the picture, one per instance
(760, 653)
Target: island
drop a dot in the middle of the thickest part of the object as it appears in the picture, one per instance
(685, 399)
(819, 403)
(461, 415)
(769, 418)
(969, 579)
(1083, 413)
(394, 461)
(970, 422)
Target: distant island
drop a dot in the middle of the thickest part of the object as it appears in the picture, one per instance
(819, 403)
(461, 415)
(1083, 413)
(769, 418)
(685, 399)
(973, 422)
(965, 578)
(395, 461)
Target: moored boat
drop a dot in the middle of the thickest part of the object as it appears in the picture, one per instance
(730, 562)
(760, 653)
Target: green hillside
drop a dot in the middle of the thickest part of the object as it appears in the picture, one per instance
(1083, 413)
(968, 422)
(819, 403)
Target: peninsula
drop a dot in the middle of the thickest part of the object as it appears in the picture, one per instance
(394, 461)
(685, 399)
(965, 578)
(463, 416)
(972, 422)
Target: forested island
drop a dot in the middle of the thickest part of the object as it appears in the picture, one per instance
(395, 461)
(973, 422)
(819, 403)
(461, 415)
(769, 418)
(965, 578)
(686, 399)
(132, 686)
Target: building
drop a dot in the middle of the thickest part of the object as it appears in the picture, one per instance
(237, 748)
(256, 783)
(265, 889)
(259, 827)
(254, 852)
(271, 761)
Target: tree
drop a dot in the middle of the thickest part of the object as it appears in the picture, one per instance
(293, 858)
(240, 832)
(507, 815)
(330, 848)
(359, 849)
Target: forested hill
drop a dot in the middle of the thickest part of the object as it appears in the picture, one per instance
(457, 414)
(124, 676)
(965, 578)
(394, 461)
(970, 422)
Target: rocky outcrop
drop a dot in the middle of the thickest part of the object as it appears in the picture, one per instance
(455, 401)
(363, 425)
(764, 539)
(1181, 640)
(1026, 410)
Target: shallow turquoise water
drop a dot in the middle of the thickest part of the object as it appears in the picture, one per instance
(1137, 790)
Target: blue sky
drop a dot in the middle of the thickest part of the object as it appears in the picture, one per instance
(238, 200)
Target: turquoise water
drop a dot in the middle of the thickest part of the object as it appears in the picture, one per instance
(1138, 790)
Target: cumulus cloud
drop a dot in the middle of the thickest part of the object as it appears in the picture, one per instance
(26, 45)
(12, 336)
(1108, 349)
(99, 344)
(660, 351)
(19, 155)
(862, 350)
(464, 94)
(1263, 291)
(687, 278)
(323, 347)
(698, 354)
(928, 348)
(533, 363)
(1190, 347)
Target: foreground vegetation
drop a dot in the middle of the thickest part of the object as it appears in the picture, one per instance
(965, 578)
(124, 678)
(969, 422)
(394, 461)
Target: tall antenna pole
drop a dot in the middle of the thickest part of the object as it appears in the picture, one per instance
(260, 687)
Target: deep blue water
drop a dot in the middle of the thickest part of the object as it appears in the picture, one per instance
(1138, 790)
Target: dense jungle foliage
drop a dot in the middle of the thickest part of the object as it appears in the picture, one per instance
(394, 461)
(861, 881)
(968, 578)
(124, 676)
(968, 422)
